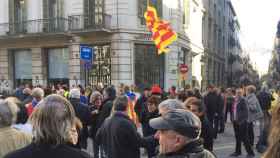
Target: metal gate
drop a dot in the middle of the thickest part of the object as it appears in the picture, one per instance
(100, 73)
(149, 67)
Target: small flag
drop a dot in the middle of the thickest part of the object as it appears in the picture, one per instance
(162, 33)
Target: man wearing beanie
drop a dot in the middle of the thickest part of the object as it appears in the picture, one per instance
(178, 134)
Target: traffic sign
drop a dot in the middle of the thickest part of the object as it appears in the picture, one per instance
(184, 68)
(86, 52)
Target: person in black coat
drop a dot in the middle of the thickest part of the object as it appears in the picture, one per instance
(107, 104)
(141, 109)
(214, 108)
(207, 131)
(118, 136)
(265, 99)
(104, 111)
(95, 105)
(153, 112)
(83, 113)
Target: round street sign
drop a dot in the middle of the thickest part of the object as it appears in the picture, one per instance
(184, 68)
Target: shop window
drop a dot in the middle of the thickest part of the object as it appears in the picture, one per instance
(58, 67)
(22, 67)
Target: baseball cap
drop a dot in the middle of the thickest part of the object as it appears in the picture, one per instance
(180, 121)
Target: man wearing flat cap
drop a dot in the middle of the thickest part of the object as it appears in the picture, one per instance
(178, 134)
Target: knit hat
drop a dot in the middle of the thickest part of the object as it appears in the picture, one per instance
(156, 90)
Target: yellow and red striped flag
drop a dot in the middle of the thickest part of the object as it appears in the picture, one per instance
(162, 33)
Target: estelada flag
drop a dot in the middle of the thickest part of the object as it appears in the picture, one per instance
(162, 33)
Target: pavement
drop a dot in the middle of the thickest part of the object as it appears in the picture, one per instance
(224, 145)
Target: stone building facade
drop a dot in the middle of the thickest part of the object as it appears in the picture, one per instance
(220, 40)
(40, 43)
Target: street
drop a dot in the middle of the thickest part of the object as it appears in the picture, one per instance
(225, 144)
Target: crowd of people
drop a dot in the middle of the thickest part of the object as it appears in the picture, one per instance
(58, 121)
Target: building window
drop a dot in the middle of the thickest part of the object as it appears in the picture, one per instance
(58, 59)
(93, 12)
(142, 7)
(149, 67)
(53, 13)
(22, 67)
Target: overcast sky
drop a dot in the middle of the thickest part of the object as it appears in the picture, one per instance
(258, 20)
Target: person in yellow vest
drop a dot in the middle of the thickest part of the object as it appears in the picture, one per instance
(66, 91)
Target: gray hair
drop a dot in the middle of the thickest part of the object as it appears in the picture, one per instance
(8, 113)
(38, 93)
(171, 104)
(52, 120)
(120, 103)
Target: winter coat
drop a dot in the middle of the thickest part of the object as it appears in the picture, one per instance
(254, 108)
(147, 117)
(141, 108)
(47, 151)
(214, 104)
(83, 113)
(242, 111)
(207, 133)
(104, 112)
(118, 137)
(191, 150)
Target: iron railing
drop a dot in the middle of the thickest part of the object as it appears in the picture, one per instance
(56, 25)
(91, 21)
(51, 25)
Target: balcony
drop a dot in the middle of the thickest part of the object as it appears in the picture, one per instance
(52, 25)
(90, 22)
(75, 23)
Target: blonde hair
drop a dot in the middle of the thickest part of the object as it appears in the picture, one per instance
(38, 93)
(52, 120)
(8, 112)
(94, 96)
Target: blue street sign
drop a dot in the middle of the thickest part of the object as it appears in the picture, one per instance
(86, 52)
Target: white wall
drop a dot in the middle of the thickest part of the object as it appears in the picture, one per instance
(4, 16)
(73, 7)
(34, 9)
(195, 35)
(124, 13)
(4, 5)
